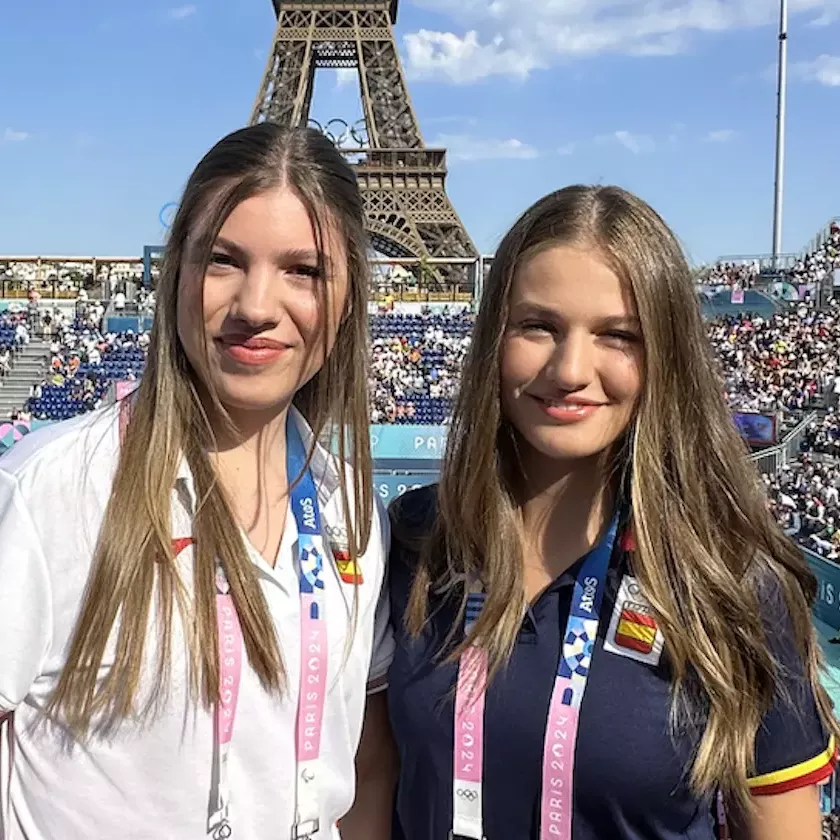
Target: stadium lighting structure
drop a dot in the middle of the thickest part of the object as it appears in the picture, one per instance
(781, 108)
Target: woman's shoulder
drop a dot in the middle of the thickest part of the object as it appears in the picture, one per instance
(412, 518)
(61, 451)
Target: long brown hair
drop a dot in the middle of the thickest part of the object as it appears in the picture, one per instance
(133, 564)
(705, 541)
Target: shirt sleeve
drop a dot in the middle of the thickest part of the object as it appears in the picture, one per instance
(25, 598)
(383, 635)
(793, 749)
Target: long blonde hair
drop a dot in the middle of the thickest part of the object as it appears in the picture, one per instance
(133, 564)
(705, 541)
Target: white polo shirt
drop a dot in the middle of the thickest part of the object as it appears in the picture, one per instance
(156, 781)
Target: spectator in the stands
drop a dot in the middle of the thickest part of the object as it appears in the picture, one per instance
(21, 334)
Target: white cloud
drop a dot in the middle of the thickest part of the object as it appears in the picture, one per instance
(514, 37)
(12, 136)
(468, 148)
(825, 70)
(636, 143)
(567, 149)
(825, 19)
(345, 76)
(182, 12)
(722, 135)
(447, 56)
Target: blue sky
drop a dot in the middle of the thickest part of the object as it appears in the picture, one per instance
(106, 105)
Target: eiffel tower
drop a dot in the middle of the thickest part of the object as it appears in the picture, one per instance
(409, 213)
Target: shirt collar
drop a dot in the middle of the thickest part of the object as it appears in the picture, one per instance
(323, 465)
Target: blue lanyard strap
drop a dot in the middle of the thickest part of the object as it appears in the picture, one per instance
(585, 616)
(304, 497)
(306, 511)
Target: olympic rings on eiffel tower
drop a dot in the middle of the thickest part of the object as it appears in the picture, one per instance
(342, 134)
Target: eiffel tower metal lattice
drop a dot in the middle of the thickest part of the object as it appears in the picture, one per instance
(409, 213)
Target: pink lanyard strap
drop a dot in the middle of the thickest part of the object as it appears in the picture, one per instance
(578, 643)
(314, 659)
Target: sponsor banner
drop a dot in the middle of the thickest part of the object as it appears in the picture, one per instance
(389, 486)
(827, 605)
(128, 323)
(407, 442)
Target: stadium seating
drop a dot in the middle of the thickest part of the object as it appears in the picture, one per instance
(416, 361)
(83, 365)
(783, 363)
(805, 495)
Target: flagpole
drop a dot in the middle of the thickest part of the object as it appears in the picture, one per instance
(781, 109)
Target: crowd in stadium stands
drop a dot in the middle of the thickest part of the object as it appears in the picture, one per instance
(83, 363)
(14, 334)
(415, 363)
(817, 266)
(781, 363)
(805, 495)
(804, 499)
(742, 275)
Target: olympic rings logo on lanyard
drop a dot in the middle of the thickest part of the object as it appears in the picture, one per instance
(223, 831)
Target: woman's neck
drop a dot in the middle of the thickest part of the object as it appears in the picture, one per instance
(565, 510)
(252, 469)
(251, 458)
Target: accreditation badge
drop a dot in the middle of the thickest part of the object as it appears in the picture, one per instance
(633, 632)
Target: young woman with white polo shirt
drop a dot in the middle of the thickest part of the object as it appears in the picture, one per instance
(191, 631)
(599, 628)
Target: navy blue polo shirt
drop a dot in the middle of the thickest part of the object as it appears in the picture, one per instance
(631, 774)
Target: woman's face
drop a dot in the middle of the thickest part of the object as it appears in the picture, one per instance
(573, 357)
(268, 322)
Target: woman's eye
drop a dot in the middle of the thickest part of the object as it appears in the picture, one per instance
(220, 258)
(307, 271)
(536, 326)
(626, 337)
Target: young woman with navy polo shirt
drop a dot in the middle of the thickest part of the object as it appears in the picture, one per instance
(601, 634)
(191, 632)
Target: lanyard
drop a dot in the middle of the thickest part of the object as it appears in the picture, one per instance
(313, 655)
(561, 728)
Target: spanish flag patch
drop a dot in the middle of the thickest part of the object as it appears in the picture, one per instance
(348, 571)
(636, 628)
(633, 632)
